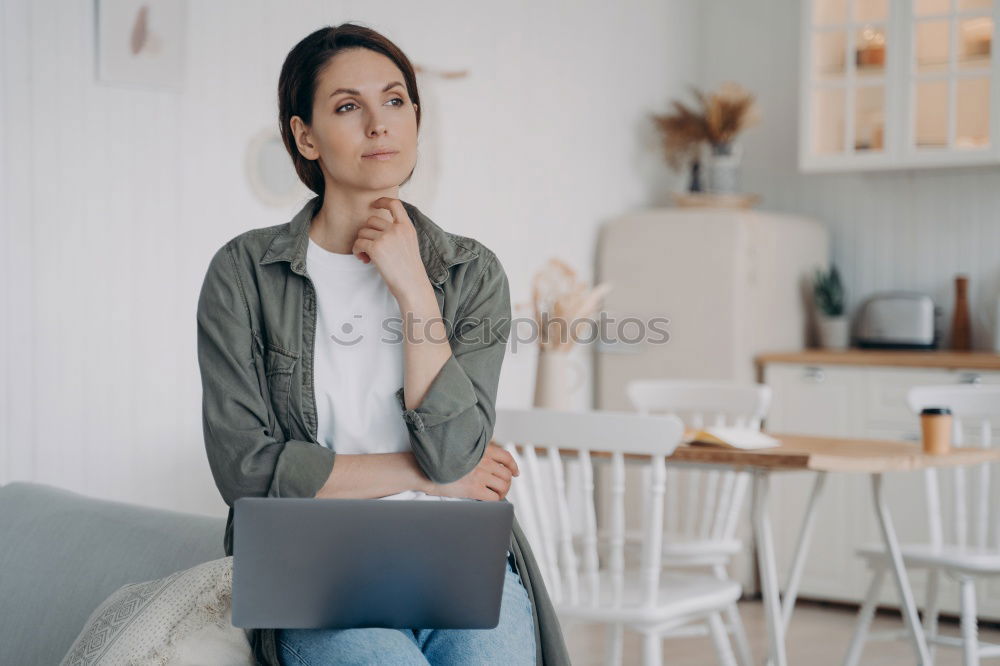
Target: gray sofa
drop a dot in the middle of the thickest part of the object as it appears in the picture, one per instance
(62, 554)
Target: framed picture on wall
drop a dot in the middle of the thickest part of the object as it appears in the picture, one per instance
(140, 43)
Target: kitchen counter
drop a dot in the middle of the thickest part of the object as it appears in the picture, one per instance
(952, 360)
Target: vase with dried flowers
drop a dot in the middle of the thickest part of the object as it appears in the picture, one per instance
(562, 305)
(705, 137)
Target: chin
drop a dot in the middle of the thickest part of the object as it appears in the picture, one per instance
(381, 185)
(386, 180)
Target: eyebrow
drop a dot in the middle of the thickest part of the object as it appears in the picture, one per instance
(352, 91)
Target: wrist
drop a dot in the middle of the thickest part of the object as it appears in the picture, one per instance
(423, 483)
(419, 299)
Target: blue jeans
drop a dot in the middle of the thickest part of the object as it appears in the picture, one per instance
(510, 643)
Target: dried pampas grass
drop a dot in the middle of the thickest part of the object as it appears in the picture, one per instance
(561, 304)
(720, 116)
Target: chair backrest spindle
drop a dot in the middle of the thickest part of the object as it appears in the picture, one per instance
(590, 557)
(653, 531)
(567, 557)
(617, 528)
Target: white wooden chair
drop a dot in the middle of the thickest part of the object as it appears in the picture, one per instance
(959, 522)
(704, 505)
(585, 585)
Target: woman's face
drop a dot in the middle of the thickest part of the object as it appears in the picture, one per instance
(361, 106)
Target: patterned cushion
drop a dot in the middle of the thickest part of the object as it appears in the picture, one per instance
(184, 618)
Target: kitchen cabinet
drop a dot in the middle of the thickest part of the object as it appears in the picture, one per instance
(855, 399)
(898, 84)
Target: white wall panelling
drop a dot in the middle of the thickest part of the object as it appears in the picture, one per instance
(114, 199)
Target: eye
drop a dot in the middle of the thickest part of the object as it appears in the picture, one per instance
(401, 101)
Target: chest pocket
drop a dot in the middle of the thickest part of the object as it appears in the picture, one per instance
(279, 364)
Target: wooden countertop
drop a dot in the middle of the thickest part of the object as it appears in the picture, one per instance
(951, 360)
(834, 454)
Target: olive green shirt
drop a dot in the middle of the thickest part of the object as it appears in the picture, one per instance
(256, 334)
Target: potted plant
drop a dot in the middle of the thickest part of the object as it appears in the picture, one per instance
(705, 137)
(828, 292)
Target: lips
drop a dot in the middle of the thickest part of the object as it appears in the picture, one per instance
(381, 153)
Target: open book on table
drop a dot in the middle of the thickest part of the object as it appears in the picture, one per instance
(731, 437)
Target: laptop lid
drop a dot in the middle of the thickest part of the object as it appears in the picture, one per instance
(307, 563)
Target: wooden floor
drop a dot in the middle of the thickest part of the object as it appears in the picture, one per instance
(818, 636)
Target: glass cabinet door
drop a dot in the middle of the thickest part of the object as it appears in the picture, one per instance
(950, 75)
(847, 77)
(898, 84)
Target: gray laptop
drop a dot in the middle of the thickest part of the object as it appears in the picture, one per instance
(307, 563)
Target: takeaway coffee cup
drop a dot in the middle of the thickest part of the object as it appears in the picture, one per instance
(935, 426)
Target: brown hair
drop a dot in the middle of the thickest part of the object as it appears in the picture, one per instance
(297, 84)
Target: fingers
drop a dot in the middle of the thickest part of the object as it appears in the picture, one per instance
(498, 484)
(496, 488)
(370, 234)
(502, 456)
(501, 470)
(376, 223)
(395, 206)
(485, 486)
(491, 479)
(362, 246)
(490, 496)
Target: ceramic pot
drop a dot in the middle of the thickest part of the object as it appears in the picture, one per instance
(833, 332)
(722, 168)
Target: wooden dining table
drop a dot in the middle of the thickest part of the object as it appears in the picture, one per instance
(823, 455)
(820, 455)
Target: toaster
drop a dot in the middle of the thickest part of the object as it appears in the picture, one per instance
(897, 320)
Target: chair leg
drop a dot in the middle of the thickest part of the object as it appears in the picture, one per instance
(613, 648)
(743, 654)
(721, 640)
(652, 649)
(931, 610)
(865, 614)
(970, 641)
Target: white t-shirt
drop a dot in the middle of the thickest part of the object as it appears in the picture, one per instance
(358, 364)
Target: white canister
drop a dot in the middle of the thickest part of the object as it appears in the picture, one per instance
(558, 380)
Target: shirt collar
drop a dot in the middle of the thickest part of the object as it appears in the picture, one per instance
(439, 250)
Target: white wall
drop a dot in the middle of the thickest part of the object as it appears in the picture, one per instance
(911, 230)
(114, 199)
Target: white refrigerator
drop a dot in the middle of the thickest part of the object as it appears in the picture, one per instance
(732, 283)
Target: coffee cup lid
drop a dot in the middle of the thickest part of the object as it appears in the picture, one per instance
(935, 410)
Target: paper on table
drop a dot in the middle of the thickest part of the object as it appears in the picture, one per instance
(736, 438)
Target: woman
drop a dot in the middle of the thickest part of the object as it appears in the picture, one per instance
(300, 396)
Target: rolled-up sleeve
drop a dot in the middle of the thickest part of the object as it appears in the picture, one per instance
(244, 455)
(453, 423)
